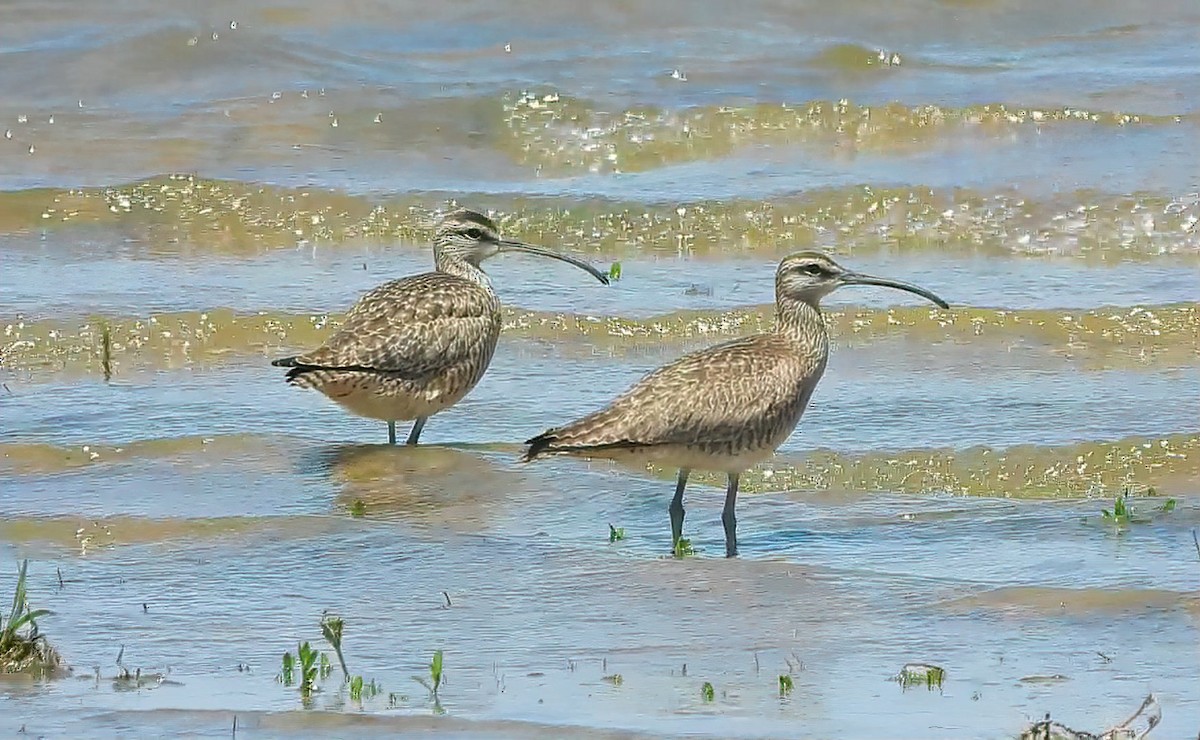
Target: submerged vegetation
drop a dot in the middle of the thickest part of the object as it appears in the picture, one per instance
(227, 216)
(1102, 338)
(921, 674)
(1102, 469)
(23, 648)
(1089, 469)
(786, 685)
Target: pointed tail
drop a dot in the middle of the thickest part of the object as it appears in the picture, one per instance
(580, 438)
(539, 445)
(297, 369)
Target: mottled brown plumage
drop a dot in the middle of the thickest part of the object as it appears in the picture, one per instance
(417, 345)
(727, 407)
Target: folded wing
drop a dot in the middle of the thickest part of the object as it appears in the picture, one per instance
(715, 396)
(409, 327)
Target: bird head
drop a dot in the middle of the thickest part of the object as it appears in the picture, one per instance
(471, 237)
(810, 276)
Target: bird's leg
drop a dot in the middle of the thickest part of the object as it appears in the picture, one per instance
(676, 508)
(416, 430)
(391, 432)
(728, 518)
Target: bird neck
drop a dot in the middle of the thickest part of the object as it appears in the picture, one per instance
(463, 269)
(802, 322)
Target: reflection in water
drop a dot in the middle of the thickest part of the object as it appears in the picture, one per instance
(437, 485)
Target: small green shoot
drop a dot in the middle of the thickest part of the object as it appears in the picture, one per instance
(331, 627)
(106, 351)
(614, 534)
(1168, 506)
(785, 685)
(19, 614)
(614, 272)
(360, 690)
(358, 508)
(309, 667)
(434, 683)
(22, 648)
(435, 677)
(1120, 513)
(707, 693)
(435, 671)
(287, 674)
(683, 548)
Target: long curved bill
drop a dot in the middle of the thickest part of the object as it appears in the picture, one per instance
(857, 278)
(514, 246)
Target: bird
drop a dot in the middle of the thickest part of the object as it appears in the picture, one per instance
(728, 407)
(417, 345)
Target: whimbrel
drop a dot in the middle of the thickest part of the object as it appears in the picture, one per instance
(728, 407)
(417, 345)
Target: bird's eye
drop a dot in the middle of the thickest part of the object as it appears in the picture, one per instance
(814, 269)
(474, 234)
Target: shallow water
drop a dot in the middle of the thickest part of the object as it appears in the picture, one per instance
(217, 184)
